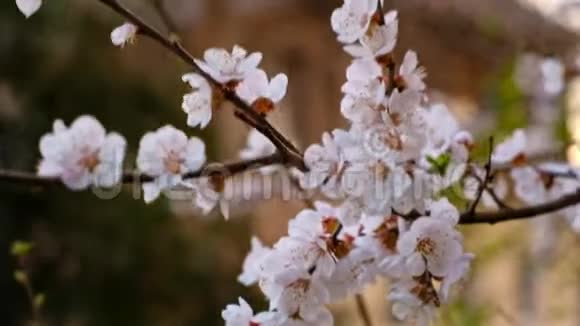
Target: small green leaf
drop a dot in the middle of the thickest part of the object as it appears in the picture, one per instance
(21, 248)
(20, 276)
(439, 164)
(39, 300)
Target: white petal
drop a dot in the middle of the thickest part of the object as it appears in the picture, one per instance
(28, 7)
(278, 87)
(150, 192)
(123, 34)
(416, 264)
(251, 62)
(195, 154)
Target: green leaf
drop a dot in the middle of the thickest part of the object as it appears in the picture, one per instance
(20, 276)
(21, 248)
(439, 164)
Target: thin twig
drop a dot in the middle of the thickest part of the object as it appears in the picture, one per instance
(363, 310)
(500, 203)
(483, 183)
(177, 48)
(489, 189)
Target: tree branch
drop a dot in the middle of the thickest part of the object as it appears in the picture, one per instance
(483, 183)
(210, 169)
(282, 144)
(508, 214)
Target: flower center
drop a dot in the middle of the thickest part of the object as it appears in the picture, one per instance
(426, 293)
(263, 105)
(425, 246)
(172, 162)
(388, 234)
(90, 161)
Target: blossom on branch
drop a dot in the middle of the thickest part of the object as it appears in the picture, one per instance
(380, 39)
(352, 20)
(198, 103)
(260, 93)
(124, 34)
(227, 67)
(166, 154)
(82, 154)
(243, 315)
(511, 150)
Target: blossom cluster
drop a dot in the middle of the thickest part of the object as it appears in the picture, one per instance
(393, 159)
(384, 177)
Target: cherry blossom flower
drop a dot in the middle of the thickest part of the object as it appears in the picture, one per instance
(309, 243)
(124, 34)
(378, 40)
(243, 315)
(251, 267)
(198, 103)
(364, 91)
(28, 7)
(411, 73)
(166, 154)
(430, 245)
(529, 185)
(261, 93)
(296, 294)
(352, 20)
(442, 209)
(511, 150)
(82, 154)
(458, 270)
(408, 306)
(325, 164)
(212, 191)
(439, 140)
(226, 67)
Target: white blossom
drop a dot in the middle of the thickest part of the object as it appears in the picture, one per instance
(210, 192)
(378, 40)
(411, 73)
(364, 92)
(457, 271)
(430, 245)
(82, 154)
(166, 154)
(198, 103)
(243, 315)
(124, 34)
(443, 209)
(529, 185)
(261, 93)
(225, 67)
(295, 293)
(407, 306)
(324, 162)
(511, 149)
(251, 268)
(28, 7)
(352, 20)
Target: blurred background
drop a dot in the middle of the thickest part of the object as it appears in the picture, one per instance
(121, 262)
